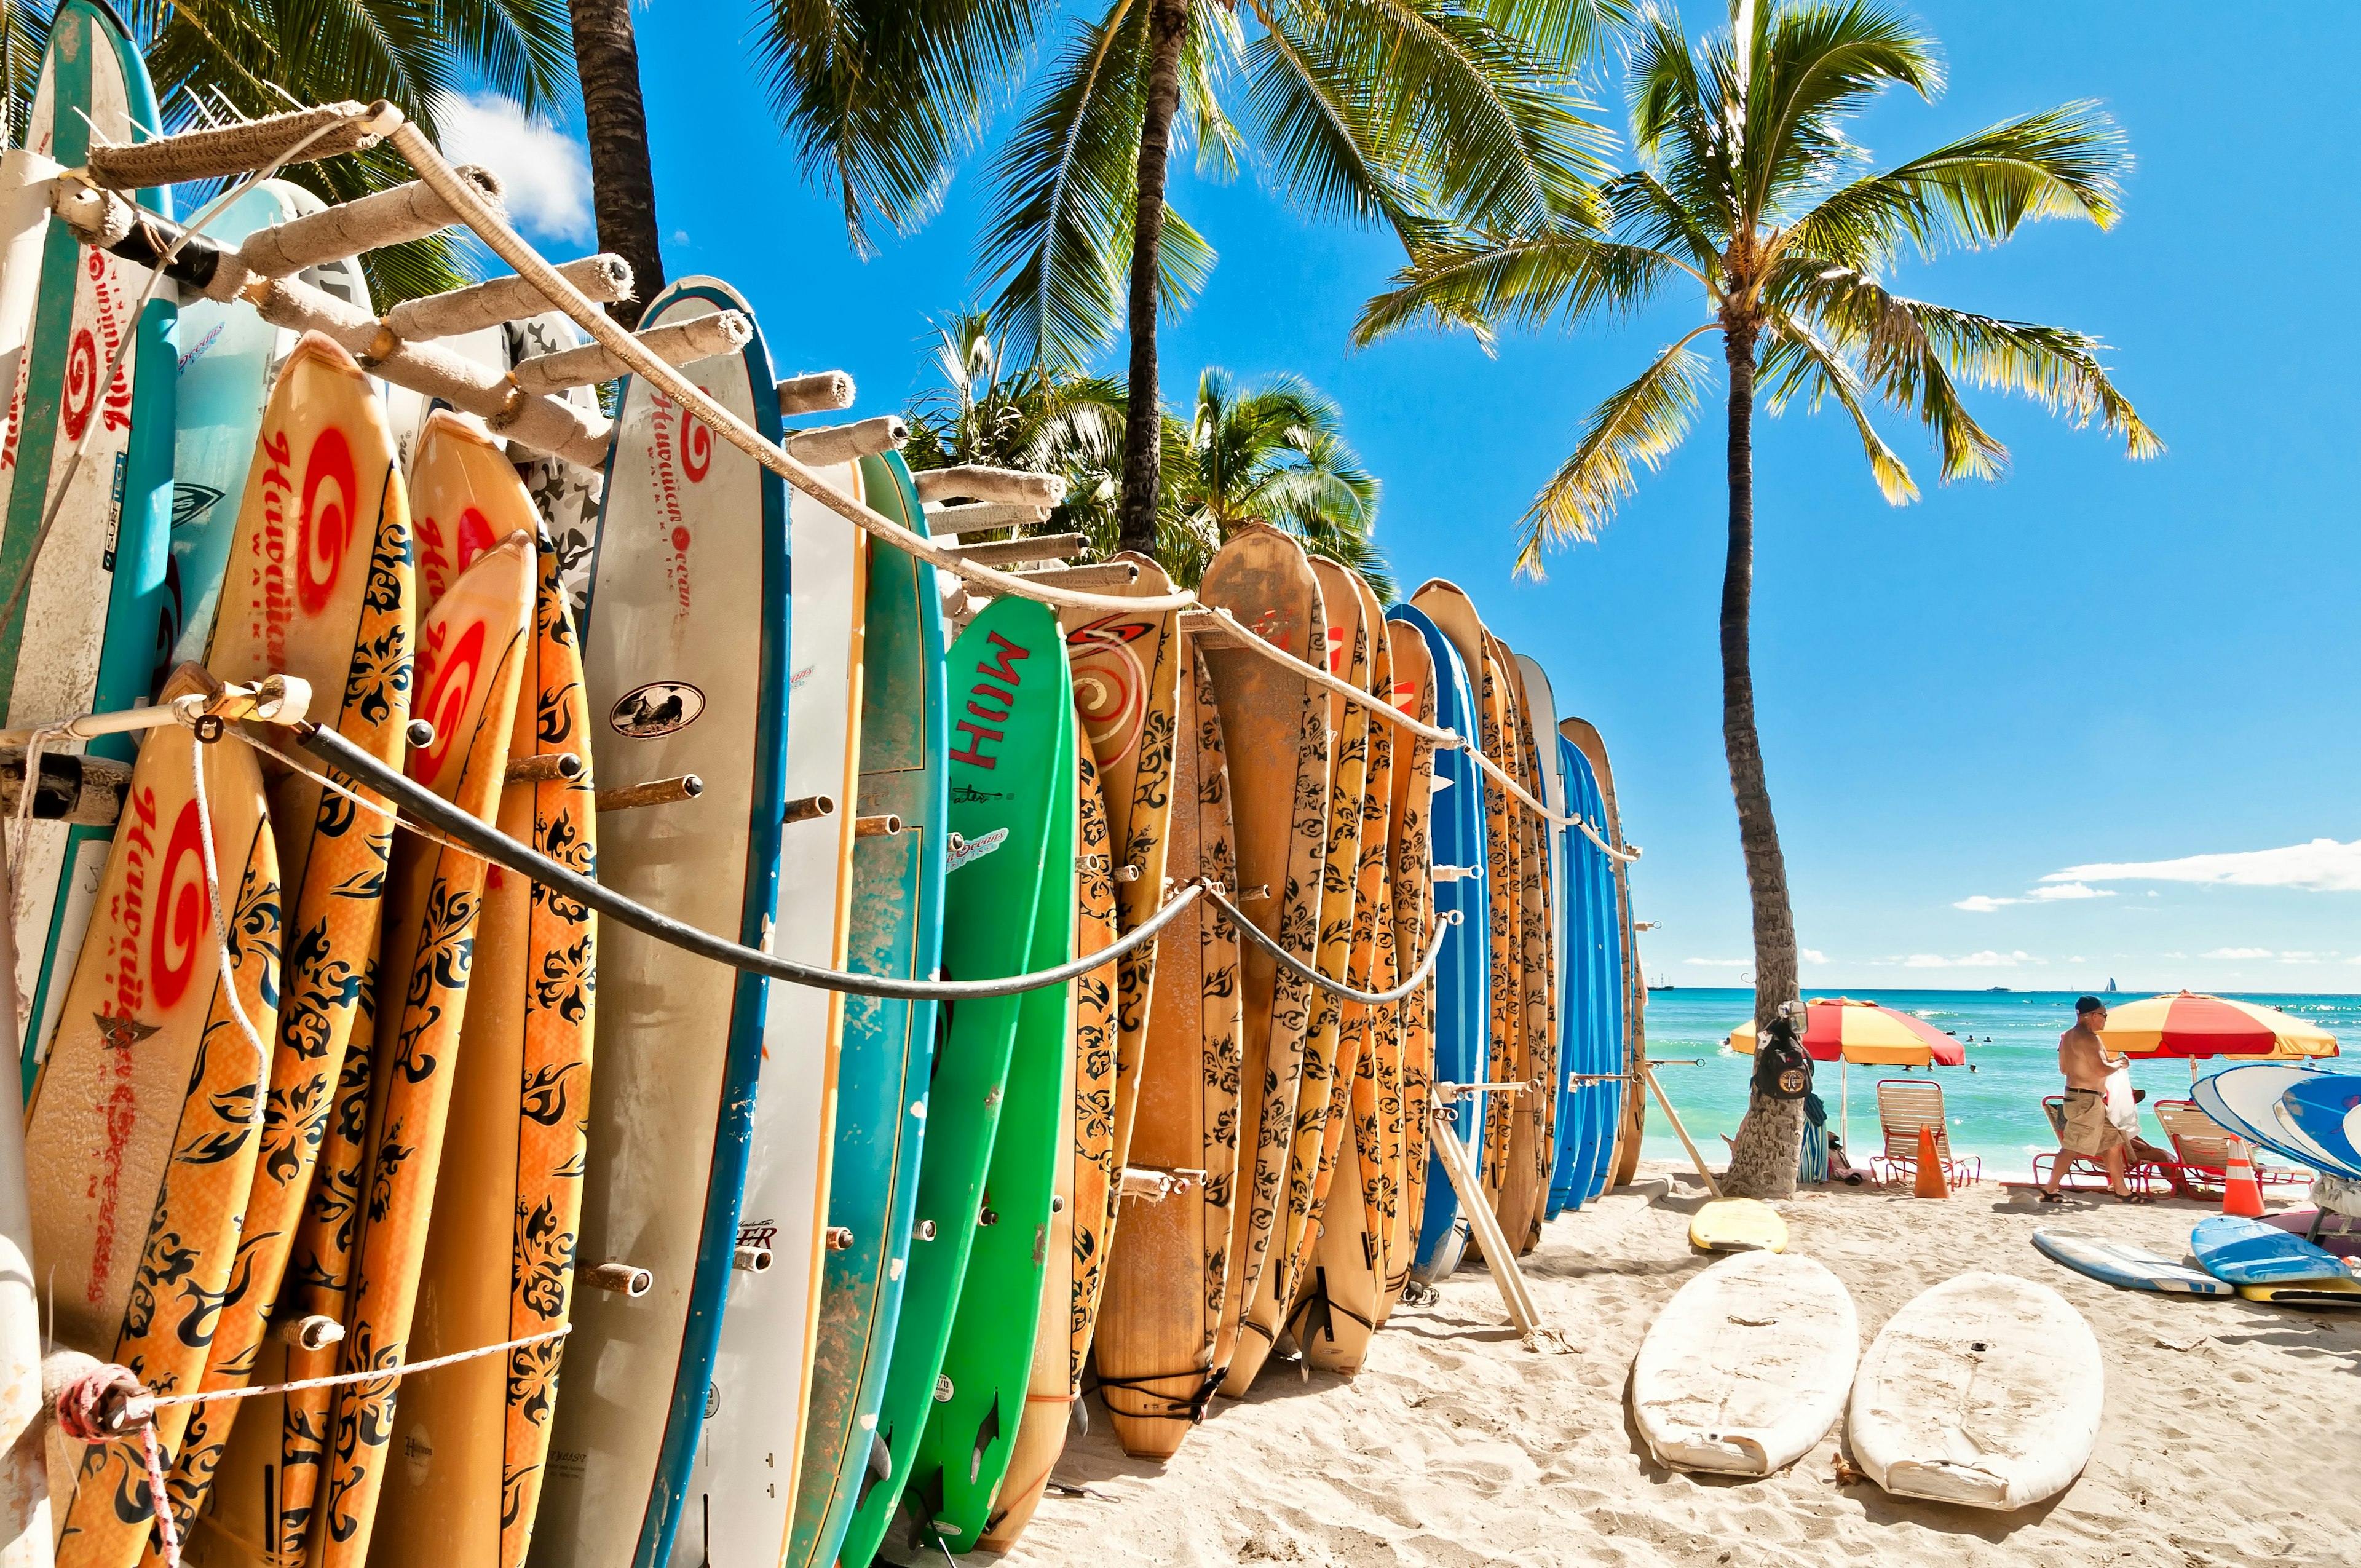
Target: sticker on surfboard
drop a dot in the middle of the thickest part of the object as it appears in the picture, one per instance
(659, 707)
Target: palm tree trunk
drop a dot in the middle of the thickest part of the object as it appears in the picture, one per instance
(1143, 432)
(607, 61)
(1762, 1159)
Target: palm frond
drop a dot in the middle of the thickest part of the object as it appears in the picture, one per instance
(1559, 274)
(1798, 362)
(1638, 425)
(1816, 64)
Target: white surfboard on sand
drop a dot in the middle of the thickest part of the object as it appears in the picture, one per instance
(1985, 1390)
(1747, 1366)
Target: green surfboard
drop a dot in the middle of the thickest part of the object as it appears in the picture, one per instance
(989, 1361)
(1010, 694)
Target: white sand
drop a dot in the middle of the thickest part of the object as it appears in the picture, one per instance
(1459, 1446)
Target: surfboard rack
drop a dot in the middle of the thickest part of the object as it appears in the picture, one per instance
(809, 809)
(656, 792)
(275, 699)
(823, 391)
(560, 767)
(316, 1331)
(1499, 1259)
(948, 522)
(1153, 1184)
(72, 788)
(622, 1278)
(752, 1259)
(884, 826)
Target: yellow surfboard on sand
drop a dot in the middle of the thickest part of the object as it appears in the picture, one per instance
(472, 647)
(1738, 1224)
(143, 1126)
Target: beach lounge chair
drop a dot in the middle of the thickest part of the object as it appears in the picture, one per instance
(1905, 1105)
(2201, 1145)
(2085, 1174)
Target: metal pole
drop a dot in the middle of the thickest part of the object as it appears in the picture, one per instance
(1648, 1071)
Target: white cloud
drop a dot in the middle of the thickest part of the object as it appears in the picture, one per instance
(1984, 903)
(547, 172)
(1814, 956)
(2239, 953)
(1719, 964)
(1988, 959)
(2322, 866)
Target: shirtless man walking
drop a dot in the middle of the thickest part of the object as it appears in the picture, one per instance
(2083, 1058)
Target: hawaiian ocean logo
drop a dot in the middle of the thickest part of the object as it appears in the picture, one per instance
(182, 916)
(974, 849)
(998, 691)
(448, 677)
(656, 708)
(446, 550)
(324, 524)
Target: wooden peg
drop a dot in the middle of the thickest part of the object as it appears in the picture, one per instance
(656, 792)
(561, 766)
(884, 826)
(621, 1277)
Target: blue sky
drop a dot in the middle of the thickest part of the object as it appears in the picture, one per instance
(2093, 663)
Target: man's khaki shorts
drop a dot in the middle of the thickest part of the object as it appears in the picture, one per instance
(2088, 1131)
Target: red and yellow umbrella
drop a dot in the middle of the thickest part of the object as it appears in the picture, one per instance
(1842, 1028)
(2193, 1025)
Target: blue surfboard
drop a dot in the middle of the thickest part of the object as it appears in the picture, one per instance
(1463, 991)
(2125, 1267)
(2243, 1100)
(2326, 1108)
(2248, 1252)
(1594, 987)
(1621, 1042)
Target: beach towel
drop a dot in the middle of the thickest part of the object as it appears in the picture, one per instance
(1812, 1165)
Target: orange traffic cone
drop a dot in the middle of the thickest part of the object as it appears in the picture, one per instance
(2241, 1193)
(1931, 1183)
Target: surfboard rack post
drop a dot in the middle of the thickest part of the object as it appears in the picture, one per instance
(560, 767)
(886, 825)
(316, 1331)
(1499, 1259)
(752, 1259)
(1648, 1071)
(656, 792)
(275, 699)
(806, 808)
(622, 1279)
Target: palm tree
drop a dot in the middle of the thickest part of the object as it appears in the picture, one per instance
(216, 59)
(1409, 113)
(615, 124)
(1749, 191)
(1276, 454)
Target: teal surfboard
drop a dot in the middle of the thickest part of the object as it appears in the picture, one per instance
(988, 1364)
(888, 1047)
(93, 630)
(1010, 696)
(1592, 1018)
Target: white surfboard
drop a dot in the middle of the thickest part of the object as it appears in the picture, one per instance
(1747, 1366)
(1984, 1391)
(742, 1493)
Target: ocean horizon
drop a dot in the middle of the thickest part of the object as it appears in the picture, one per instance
(1993, 1103)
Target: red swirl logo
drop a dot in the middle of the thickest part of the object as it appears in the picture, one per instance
(182, 919)
(81, 383)
(324, 526)
(695, 448)
(1110, 684)
(449, 682)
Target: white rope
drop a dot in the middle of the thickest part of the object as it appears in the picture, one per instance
(1626, 856)
(220, 927)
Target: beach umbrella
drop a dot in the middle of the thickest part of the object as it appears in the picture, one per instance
(2193, 1025)
(1847, 1030)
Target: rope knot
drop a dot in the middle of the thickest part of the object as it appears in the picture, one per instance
(102, 1404)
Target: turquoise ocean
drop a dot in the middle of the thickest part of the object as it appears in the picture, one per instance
(1994, 1110)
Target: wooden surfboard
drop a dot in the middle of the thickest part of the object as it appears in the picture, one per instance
(318, 585)
(92, 632)
(1515, 1182)
(887, 1047)
(686, 662)
(1629, 1104)
(1461, 884)
(1538, 1011)
(143, 1127)
(1162, 1313)
(1010, 760)
(742, 1486)
(473, 645)
(1085, 1183)
(1408, 840)
(1336, 1299)
(1569, 1115)
(1322, 1098)
(1275, 738)
(474, 1437)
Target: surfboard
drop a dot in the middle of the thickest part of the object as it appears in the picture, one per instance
(1084, 1178)
(2326, 1109)
(1322, 1108)
(1738, 1224)
(1538, 970)
(2306, 1292)
(2248, 1252)
(1011, 759)
(1592, 1014)
(1568, 1111)
(474, 1437)
(473, 646)
(1162, 1316)
(1747, 1367)
(1411, 887)
(1626, 1105)
(1457, 874)
(143, 1127)
(686, 663)
(1275, 738)
(566, 494)
(2125, 1267)
(1984, 1391)
(25, 1529)
(1339, 1284)
(230, 362)
(2243, 1100)
(888, 1045)
(91, 632)
(742, 1486)
(321, 589)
